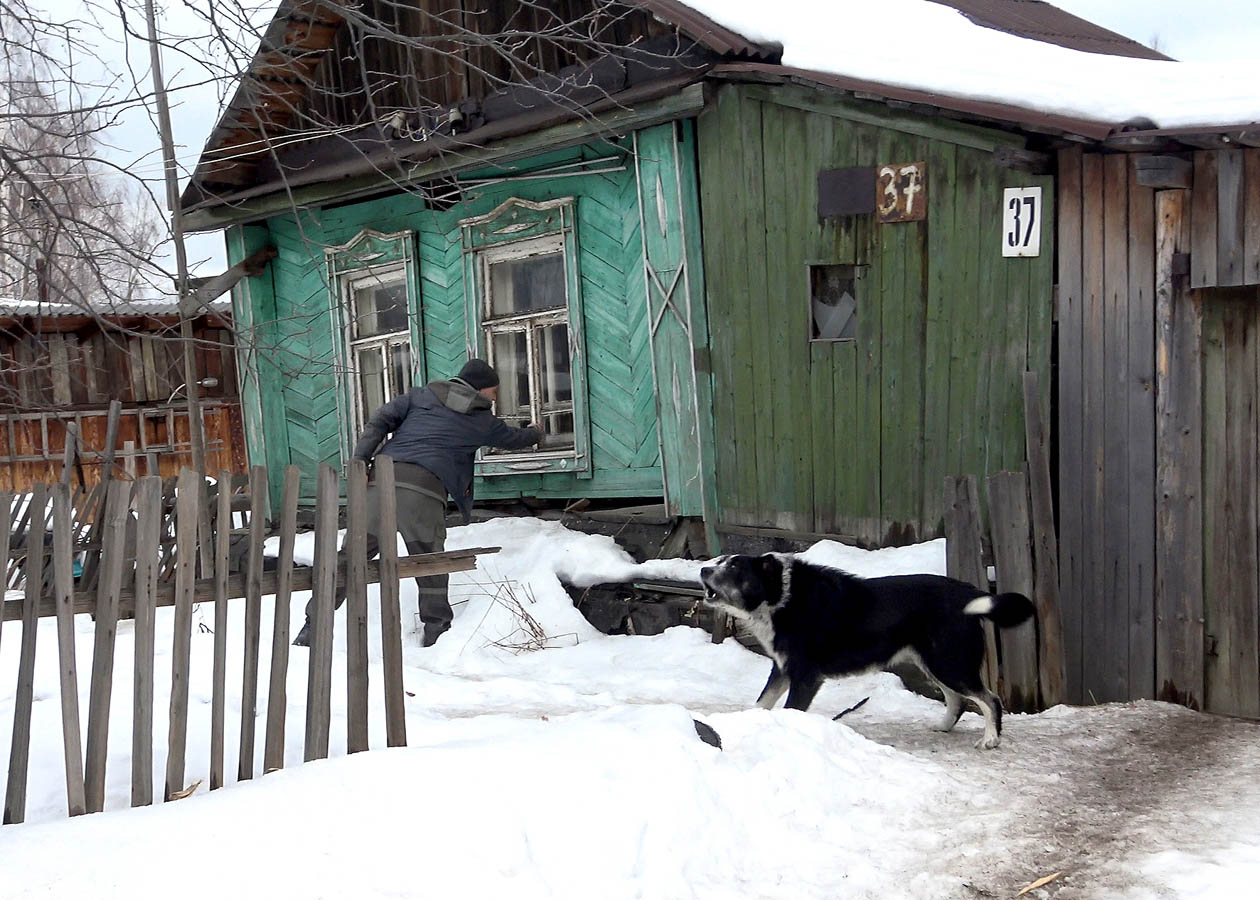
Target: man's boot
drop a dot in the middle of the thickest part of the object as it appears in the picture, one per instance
(303, 638)
(433, 631)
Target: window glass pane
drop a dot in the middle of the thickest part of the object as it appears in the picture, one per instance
(527, 285)
(557, 384)
(557, 430)
(380, 308)
(833, 302)
(511, 360)
(400, 368)
(371, 380)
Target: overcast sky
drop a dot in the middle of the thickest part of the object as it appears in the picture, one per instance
(1207, 30)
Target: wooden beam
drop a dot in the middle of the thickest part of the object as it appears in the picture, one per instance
(1164, 171)
(251, 266)
(301, 580)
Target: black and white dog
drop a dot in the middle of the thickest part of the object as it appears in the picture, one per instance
(817, 622)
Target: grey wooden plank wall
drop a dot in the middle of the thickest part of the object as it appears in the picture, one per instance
(1106, 427)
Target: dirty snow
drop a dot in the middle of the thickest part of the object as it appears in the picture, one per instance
(922, 45)
(575, 771)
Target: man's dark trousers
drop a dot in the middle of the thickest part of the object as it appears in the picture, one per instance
(422, 524)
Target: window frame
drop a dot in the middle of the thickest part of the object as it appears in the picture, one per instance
(393, 273)
(859, 276)
(516, 229)
(367, 256)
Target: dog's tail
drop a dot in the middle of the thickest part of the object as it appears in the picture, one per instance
(1005, 610)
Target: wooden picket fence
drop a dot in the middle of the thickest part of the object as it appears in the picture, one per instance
(143, 544)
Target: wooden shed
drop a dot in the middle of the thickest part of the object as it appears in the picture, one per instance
(62, 365)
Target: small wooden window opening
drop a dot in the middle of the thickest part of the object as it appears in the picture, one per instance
(834, 295)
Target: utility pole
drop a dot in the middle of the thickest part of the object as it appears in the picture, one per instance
(196, 428)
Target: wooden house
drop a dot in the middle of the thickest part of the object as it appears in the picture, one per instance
(783, 302)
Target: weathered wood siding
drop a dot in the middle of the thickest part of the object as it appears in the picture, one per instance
(297, 380)
(856, 437)
(1158, 387)
(1231, 390)
(1107, 427)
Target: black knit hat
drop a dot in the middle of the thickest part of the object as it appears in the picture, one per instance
(479, 374)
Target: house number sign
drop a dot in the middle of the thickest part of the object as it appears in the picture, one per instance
(900, 192)
(1021, 221)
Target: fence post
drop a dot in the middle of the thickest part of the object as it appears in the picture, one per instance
(356, 608)
(186, 527)
(253, 618)
(391, 615)
(148, 536)
(112, 528)
(277, 689)
(319, 681)
(218, 678)
(63, 591)
(1012, 555)
(20, 749)
(6, 531)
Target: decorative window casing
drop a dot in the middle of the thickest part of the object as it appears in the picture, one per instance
(525, 317)
(377, 333)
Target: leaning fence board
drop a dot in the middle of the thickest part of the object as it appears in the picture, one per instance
(319, 681)
(20, 748)
(277, 688)
(356, 609)
(218, 678)
(63, 591)
(391, 615)
(1012, 557)
(185, 578)
(253, 618)
(109, 587)
(1050, 658)
(964, 553)
(148, 527)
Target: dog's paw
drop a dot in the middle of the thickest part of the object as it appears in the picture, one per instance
(988, 742)
(944, 727)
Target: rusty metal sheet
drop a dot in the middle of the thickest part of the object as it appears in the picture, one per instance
(846, 192)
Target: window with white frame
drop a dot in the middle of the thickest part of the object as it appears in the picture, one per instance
(525, 325)
(378, 339)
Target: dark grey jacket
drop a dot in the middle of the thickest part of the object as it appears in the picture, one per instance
(441, 426)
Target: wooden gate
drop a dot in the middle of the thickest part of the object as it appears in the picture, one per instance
(1231, 584)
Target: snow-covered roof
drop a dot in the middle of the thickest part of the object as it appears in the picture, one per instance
(924, 46)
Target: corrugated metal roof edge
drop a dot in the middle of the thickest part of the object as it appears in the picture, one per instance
(13, 308)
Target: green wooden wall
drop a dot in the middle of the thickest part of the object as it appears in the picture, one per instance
(856, 437)
(297, 377)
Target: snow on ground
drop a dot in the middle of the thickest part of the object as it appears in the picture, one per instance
(926, 46)
(575, 771)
